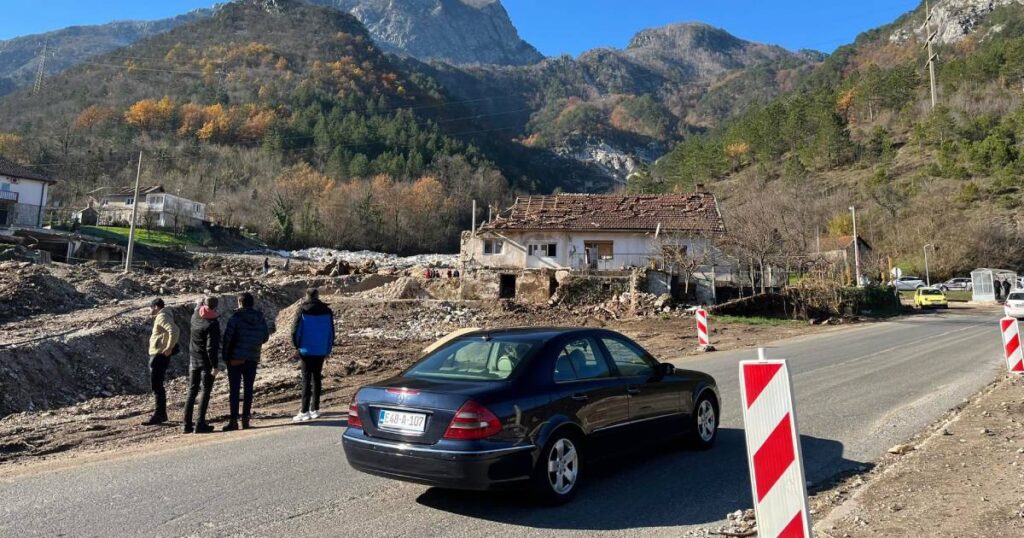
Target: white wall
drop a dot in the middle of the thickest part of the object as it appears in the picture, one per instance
(630, 249)
(30, 191)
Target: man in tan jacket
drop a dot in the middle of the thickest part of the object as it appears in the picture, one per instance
(162, 344)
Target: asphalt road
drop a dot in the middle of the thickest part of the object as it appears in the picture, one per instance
(859, 391)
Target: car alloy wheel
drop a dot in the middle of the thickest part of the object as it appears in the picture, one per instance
(706, 421)
(563, 466)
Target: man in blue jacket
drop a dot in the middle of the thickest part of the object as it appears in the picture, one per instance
(243, 341)
(313, 336)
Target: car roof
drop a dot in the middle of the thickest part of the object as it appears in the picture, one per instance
(540, 333)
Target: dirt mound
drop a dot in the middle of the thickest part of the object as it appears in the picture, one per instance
(29, 290)
(405, 287)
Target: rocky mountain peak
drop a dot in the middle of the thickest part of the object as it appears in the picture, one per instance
(453, 31)
(685, 35)
(953, 20)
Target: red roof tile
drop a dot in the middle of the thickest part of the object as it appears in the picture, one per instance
(696, 212)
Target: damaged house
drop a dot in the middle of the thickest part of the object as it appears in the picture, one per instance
(529, 249)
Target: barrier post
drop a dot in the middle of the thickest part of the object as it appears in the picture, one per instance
(773, 449)
(1011, 345)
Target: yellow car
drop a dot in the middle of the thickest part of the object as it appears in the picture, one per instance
(930, 298)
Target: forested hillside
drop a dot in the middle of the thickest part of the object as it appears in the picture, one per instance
(861, 128)
(612, 105)
(284, 117)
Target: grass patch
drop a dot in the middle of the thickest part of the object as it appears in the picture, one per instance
(756, 320)
(152, 238)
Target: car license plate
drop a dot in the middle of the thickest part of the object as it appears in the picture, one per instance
(397, 420)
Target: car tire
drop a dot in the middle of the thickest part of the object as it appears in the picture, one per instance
(704, 423)
(553, 466)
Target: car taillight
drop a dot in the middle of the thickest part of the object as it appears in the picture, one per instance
(473, 421)
(353, 416)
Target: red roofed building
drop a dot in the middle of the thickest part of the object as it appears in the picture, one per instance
(593, 232)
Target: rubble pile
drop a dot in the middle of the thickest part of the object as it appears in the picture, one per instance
(16, 253)
(429, 322)
(379, 259)
(404, 288)
(634, 304)
(28, 290)
(739, 524)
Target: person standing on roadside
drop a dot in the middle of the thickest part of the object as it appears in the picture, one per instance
(244, 337)
(1006, 289)
(313, 337)
(163, 344)
(203, 352)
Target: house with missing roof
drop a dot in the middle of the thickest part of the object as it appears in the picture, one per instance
(23, 195)
(157, 209)
(540, 238)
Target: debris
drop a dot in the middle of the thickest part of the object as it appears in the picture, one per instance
(901, 449)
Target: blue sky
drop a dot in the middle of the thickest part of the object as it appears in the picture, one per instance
(553, 26)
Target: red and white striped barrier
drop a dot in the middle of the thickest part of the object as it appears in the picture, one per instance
(773, 450)
(702, 328)
(1011, 345)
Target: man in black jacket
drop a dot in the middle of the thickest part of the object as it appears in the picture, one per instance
(313, 337)
(244, 337)
(204, 349)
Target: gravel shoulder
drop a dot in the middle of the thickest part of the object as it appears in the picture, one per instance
(963, 477)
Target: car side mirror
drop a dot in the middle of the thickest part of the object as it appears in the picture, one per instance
(665, 369)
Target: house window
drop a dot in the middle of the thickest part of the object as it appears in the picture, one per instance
(6, 187)
(605, 250)
(546, 250)
(195, 208)
(130, 201)
(493, 246)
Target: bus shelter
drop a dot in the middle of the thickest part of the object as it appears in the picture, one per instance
(984, 281)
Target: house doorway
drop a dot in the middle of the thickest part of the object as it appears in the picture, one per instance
(507, 287)
(4, 215)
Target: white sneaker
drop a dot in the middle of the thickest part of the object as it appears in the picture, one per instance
(301, 417)
(315, 414)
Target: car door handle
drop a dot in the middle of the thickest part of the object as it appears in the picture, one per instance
(579, 397)
(633, 390)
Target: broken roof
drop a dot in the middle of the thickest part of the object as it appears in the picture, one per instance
(130, 191)
(694, 212)
(10, 169)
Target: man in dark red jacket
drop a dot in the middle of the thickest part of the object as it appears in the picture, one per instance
(203, 352)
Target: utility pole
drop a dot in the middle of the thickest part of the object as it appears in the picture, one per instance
(856, 247)
(927, 274)
(931, 53)
(135, 211)
(38, 86)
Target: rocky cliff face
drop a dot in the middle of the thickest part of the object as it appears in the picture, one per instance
(952, 19)
(454, 31)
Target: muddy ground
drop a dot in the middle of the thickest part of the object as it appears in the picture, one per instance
(76, 383)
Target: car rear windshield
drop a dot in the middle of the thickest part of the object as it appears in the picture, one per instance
(931, 292)
(1016, 297)
(476, 359)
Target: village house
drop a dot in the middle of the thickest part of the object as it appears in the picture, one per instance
(23, 195)
(838, 253)
(157, 210)
(541, 237)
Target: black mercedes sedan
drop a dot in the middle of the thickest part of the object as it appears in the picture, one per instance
(524, 408)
